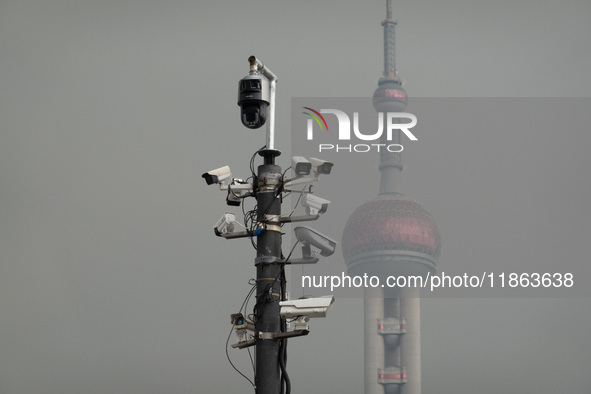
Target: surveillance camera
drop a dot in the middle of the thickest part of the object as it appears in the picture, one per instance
(237, 190)
(300, 165)
(314, 204)
(218, 175)
(253, 99)
(238, 321)
(309, 236)
(318, 166)
(240, 326)
(233, 199)
(311, 307)
(225, 224)
(321, 166)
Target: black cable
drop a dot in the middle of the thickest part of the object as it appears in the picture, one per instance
(281, 274)
(291, 251)
(283, 328)
(252, 161)
(252, 289)
(285, 381)
(232, 364)
(252, 282)
(253, 194)
(284, 376)
(297, 202)
(283, 176)
(249, 218)
(272, 201)
(254, 370)
(243, 214)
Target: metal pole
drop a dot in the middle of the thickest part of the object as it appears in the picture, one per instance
(269, 269)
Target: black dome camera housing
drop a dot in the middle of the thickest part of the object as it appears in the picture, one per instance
(253, 99)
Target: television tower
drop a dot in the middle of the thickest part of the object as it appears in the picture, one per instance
(391, 235)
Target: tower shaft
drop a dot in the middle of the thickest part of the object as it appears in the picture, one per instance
(373, 310)
(390, 97)
(389, 43)
(390, 164)
(410, 343)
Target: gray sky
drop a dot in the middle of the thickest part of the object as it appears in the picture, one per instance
(111, 280)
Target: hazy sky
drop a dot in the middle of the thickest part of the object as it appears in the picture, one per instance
(111, 279)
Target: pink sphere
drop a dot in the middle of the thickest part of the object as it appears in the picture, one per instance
(390, 222)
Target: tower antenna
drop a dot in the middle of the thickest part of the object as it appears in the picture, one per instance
(389, 43)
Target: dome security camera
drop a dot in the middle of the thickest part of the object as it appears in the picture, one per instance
(253, 99)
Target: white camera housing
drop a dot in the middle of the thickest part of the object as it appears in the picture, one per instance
(319, 167)
(219, 175)
(237, 190)
(314, 204)
(225, 225)
(309, 236)
(310, 307)
(300, 166)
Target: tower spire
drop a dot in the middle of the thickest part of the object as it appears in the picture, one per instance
(389, 97)
(389, 43)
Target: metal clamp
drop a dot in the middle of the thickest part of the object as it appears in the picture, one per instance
(271, 218)
(283, 335)
(272, 227)
(267, 260)
(266, 335)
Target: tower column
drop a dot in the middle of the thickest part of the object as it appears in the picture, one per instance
(392, 310)
(410, 343)
(373, 308)
(390, 162)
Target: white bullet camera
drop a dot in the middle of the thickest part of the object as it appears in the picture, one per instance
(314, 204)
(219, 175)
(225, 225)
(309, 236)
(321, 166)
(303, 174)
(300, 166)
(310, 307)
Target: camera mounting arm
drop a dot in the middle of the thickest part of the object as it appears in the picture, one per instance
(258, 66)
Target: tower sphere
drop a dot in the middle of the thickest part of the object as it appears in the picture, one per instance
(389, 97)
(390, 223)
